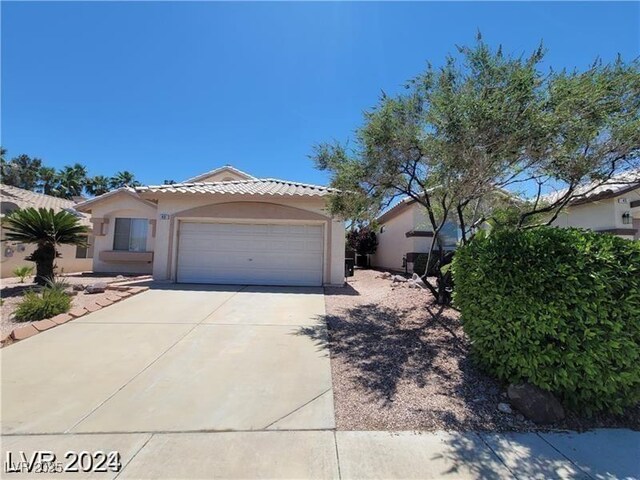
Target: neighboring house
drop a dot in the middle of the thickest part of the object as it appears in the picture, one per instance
(223, 226)
(72, 259)
(613, 207)
(404, 232)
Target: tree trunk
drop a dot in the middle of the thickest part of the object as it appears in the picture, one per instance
(44, 256)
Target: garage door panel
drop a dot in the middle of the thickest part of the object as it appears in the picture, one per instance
(261, 254)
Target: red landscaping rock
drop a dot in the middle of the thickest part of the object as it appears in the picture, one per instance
(117, 288)
(104, 302)
(62, 318)
(77, 312)
(21, 333)
(92, 307)
(135, 290)
(43, 325)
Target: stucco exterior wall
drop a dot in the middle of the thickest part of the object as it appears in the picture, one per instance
(67, 263)
(393, 243)
(174, 208)
(598, 215)
(421, 223)
(123, 206)
(606, 214)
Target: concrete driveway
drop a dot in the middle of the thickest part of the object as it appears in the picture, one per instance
(178, 358)
(203, 382)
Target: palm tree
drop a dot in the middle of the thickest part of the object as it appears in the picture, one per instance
(22, 171)
(48, 180)
(123, 179)
(72, 180)
(46, 229)
(98, 185)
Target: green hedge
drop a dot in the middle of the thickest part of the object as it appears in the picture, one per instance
(559, 308)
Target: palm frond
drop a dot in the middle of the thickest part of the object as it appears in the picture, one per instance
(31, 225)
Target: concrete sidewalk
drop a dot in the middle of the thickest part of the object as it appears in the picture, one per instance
(601, 454)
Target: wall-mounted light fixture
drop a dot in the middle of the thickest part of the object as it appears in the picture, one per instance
(626, 218)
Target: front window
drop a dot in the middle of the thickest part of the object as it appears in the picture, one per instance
(130, 234)
(85, 251)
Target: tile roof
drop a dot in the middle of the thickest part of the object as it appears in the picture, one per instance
(616, 185)
(256, 186)
(202, 176)
(395, 209)
(26, 198)
(86, 205)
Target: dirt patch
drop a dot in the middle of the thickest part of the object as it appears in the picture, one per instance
(400, 362)
(12, 291)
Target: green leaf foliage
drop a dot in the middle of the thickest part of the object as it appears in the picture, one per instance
(49, 303)
(363, 240)
(31, 225)
(46, 229)
(559, 308)
(23, 272)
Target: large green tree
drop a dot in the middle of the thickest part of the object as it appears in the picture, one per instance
(46, 229)
(98, 185)
(466, 138)
(72, 180)
(21, 171)
(48, 180)
(123, 179)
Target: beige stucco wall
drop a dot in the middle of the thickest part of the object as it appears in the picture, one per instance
(601, 214)
(393, 243)
(174, 208)
(421, 223)
(120, 206)
(67, 263)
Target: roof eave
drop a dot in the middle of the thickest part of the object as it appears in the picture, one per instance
(87, 206)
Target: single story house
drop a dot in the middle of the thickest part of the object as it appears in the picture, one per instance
(72, 258)
(404, 231)
(613, 207)
(224, 226)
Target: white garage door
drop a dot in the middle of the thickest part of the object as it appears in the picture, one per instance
(250, 254)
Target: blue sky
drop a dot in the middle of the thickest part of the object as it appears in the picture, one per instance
(169, 90)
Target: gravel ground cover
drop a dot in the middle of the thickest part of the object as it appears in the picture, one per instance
(400, 362)
(12, 291)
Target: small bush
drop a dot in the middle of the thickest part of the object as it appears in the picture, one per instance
(559, 308)
(363, 240)
(23, 272)
(420, 264)
(47, 304)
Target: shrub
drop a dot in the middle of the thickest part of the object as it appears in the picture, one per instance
(49, 303)
(23, 272)
(559, 308)
(420, 263)
(363, 240)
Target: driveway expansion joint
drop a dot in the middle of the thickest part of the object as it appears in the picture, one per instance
(297, 409)
(495, 454)
(134, 455)
(162, 354)
(578, 468)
